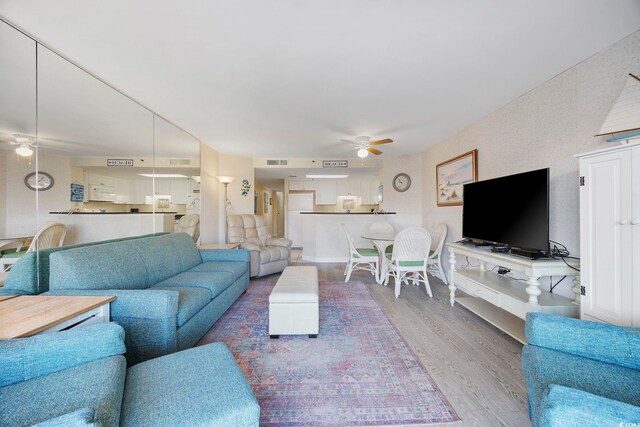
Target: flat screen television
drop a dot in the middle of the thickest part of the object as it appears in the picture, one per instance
(511, 210)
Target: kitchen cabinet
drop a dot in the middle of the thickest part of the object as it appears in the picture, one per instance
(365, 189)
(162, 187)
(180, 190)
(123, 190)
(143, 188)
(348, 188)
(104, 180)
(326, 192)
(303, 185)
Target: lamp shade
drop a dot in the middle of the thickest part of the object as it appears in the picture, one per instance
(362, 153)
(225, 179)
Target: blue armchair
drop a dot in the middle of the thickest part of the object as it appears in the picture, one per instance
(79, 378)
(581, 373)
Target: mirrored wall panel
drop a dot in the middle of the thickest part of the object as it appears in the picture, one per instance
(78, 153)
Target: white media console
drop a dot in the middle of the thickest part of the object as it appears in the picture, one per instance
(502, 301)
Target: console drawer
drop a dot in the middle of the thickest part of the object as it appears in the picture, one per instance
(480, 291)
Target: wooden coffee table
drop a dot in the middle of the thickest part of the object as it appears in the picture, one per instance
(28, 315)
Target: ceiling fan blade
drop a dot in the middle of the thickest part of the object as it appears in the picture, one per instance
(374, 151)
(381, 141)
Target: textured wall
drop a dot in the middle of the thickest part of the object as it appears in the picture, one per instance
(545, 127)
(408, 204)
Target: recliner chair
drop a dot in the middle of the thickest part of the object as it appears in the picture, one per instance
(269, 254)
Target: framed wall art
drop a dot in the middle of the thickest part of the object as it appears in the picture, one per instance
(452, 175)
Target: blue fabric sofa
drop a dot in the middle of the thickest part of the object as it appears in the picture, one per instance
(79, 378)
(581, 373)
(169, 293)
(30, 274)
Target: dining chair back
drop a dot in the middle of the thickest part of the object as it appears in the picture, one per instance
(50, 235)
(434, 263)
(382, 227)
(409, 258)
(360, 258)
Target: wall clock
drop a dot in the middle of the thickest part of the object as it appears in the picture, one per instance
(401, 182)
(43, 182)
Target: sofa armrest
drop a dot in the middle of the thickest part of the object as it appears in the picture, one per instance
(593, 340)
(568, 407)
(25, 358)
(240, 255)
(251, 247)
(134, 303)
(279, 241)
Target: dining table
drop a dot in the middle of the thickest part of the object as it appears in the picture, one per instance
(381, 240)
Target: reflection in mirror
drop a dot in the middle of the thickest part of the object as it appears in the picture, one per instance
(17, 131)
(93, 141)
(177, 177)
(18, 222)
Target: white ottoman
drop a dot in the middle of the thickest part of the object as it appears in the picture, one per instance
(294, 303)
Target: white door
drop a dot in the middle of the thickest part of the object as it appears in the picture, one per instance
(606, 243)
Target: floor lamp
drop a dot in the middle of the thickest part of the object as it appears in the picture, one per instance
(226, 180)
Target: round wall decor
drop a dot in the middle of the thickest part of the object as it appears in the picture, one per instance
(401, 182)
(43, 182)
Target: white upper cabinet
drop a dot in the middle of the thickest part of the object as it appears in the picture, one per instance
(180, 189)
(326, 192)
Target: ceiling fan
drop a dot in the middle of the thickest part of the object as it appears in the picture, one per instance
(363, 145)
(23, 143)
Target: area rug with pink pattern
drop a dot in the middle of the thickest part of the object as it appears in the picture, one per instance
(359, 371)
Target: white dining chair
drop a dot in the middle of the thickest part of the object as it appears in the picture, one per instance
(408, 260)
(434, 262)
(50, 235)
(360, 258)
(382, 227)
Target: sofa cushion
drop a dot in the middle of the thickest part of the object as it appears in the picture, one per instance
(98, 385)
(165, 256)
(235, 268)
(273, 253)
(190, 301)
(109, 266)
(216, 392)
(215, 282)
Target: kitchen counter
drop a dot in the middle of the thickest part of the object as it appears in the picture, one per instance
(347, 213)
(85, 227)
(323, 239)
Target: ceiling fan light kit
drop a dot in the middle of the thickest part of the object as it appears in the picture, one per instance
(24, 150)
(363, 145)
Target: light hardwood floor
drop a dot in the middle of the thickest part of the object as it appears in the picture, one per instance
(475, 365)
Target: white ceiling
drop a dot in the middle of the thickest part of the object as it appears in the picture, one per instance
(290, 78)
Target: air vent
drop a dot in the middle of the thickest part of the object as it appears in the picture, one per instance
(276, 162)
(179, 162)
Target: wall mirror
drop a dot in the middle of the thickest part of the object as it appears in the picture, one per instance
(101, 164)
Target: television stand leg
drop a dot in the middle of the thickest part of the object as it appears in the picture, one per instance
(452, 269)
(533, 289)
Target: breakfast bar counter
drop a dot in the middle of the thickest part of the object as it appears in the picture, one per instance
(85, 227)
(323, 239)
